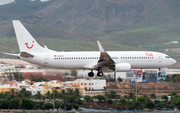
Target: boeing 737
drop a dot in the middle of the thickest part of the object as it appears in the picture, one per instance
(101, 61)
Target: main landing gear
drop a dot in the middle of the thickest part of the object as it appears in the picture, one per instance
(99, 74)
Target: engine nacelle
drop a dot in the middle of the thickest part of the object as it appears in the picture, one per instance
(122, 67)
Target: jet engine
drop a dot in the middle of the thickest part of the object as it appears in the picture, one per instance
(121, 67)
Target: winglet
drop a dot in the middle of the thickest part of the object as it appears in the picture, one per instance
(100, 47)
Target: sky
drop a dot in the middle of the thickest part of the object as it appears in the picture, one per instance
(2, 2)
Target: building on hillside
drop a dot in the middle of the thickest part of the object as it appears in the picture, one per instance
(131, 75)
(51, 86)
(90, 85)
(150, 76)
(34, 89)
(68, 85)
(7, 88)
(80, 87)
(22, 85)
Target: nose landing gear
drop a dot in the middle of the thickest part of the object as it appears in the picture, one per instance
(159, 73)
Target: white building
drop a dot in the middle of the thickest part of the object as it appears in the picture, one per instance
(22, 85)
(8, 86)
(39, 83)
(90, 84)
(34, 89)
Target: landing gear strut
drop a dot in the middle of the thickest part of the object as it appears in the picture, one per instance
(159, 73)
(91, 74)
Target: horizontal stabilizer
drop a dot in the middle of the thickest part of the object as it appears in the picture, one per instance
(25, 54)
(10, 54)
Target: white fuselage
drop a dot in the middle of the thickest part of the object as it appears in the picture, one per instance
(80, 60)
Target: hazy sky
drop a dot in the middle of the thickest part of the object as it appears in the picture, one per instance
(2, 2)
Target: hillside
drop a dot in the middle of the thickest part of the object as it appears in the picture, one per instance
(77, 24)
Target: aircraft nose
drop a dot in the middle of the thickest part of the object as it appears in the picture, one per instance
(173, 61)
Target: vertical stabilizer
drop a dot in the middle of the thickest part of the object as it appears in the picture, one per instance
(25, 41)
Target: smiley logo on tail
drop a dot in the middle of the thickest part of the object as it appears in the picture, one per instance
(28, 46)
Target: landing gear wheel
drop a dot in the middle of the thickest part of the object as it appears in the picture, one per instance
(159, 73)
(90, 74)
(100, 73)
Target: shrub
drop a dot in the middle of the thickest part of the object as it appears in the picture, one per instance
(27, 104)
(110, 101)
(58, 105)
(75, 106)
(100, 98)
(159, 105)
(157, 101)
(149, 105)
(98, 103)
(87, 98)
(164, 97)
(153, 96)
(48, 105)
(173, 94)
(14, 103)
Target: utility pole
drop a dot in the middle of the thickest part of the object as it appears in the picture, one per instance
(156, 86)
(53, 101)
(114, 76)
(91, 86)
(136, 86)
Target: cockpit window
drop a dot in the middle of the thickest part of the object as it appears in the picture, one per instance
(167, 56)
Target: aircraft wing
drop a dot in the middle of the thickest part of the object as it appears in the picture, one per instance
(105, 59)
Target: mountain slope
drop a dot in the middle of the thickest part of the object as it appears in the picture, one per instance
(118, 24)
(99, 17)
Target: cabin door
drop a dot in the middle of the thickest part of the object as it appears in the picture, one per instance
(159, 58)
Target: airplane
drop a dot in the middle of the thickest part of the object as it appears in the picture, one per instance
(101, 61)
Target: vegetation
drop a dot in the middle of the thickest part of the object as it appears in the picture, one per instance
(71, 99)
(15, 76)
(119, 79)
(175, 78)
(74, 73)
(24, 100)
(153, 96)
(37, 78)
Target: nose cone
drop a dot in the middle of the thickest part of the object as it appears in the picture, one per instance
(173, 61)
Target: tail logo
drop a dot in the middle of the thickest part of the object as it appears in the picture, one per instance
(30, 46)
